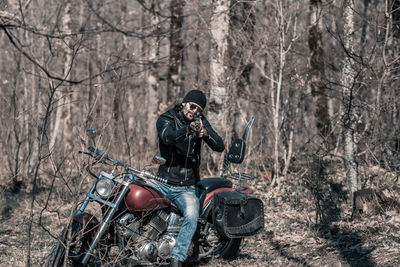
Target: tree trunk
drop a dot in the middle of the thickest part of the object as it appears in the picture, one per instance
(318, 87)
(395, 10)
(365, 26)
(369, 202)
(152, 98)
(175, 50)
(99, 63)
(348, 81)
(63, 113)
(276, 94)
(218, 78)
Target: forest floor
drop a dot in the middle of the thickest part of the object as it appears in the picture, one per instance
(307, 223)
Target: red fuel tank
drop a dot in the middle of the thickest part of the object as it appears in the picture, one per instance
(141, 197)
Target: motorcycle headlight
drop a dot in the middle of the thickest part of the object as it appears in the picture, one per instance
(104, 187)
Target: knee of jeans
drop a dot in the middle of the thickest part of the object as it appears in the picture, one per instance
(193, 214)
(192, 209)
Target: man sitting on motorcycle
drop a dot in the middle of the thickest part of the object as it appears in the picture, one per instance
(181, 131)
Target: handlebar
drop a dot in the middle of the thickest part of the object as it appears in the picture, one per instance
(104, 155)
(140, 173)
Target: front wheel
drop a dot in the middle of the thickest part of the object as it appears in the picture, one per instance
(79, 242)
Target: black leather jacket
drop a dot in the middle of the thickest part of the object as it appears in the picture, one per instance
(181, 148)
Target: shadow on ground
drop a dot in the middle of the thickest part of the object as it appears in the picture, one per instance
(329, 196)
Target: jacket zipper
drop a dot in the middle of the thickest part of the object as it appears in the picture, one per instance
(172, 160)
(187, 155)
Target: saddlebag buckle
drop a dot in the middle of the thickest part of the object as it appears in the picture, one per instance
(237, 214)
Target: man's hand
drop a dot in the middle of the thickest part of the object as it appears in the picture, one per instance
(198, 128)
(202, 133)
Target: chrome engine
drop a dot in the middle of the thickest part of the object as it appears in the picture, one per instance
(152, 239)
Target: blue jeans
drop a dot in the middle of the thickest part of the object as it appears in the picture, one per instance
(185, 197)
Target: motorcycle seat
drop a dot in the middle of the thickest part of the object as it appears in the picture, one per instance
(209, 184)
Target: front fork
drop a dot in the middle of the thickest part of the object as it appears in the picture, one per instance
(106, 222)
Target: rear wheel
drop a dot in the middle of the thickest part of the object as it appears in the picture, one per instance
(230, 249)
(214, 245)
(78, 245)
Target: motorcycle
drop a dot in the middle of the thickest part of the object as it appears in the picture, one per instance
(139, 226)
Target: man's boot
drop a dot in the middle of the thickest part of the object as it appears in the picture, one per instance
(175, 263)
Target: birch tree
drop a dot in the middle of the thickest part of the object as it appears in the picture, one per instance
(348, 82)
(219, 27)
(152, 99)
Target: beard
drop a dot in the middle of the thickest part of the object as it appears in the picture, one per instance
(188, 116)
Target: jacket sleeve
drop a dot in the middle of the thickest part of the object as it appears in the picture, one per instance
(213, 140)
(167, 133)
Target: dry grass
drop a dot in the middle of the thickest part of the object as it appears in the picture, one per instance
(294, 235)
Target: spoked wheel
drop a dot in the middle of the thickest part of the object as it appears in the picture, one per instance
(78, 245)
(215, 246)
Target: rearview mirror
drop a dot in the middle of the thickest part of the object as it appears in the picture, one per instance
(91, 133)
(158, 160)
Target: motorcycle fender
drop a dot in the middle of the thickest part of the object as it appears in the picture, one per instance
(87, 220)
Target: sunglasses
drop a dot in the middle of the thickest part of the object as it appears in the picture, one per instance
(194, 107)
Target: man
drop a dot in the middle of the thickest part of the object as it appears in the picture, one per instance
(180, 138)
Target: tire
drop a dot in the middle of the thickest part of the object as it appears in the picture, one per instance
(230, 250)
(79, 244)
(56, 256)
(216, 246)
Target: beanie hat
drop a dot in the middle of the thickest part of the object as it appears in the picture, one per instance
(196, 96)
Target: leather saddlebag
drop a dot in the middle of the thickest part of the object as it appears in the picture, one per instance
(237, 214)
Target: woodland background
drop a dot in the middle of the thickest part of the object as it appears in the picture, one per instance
(320, 77)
